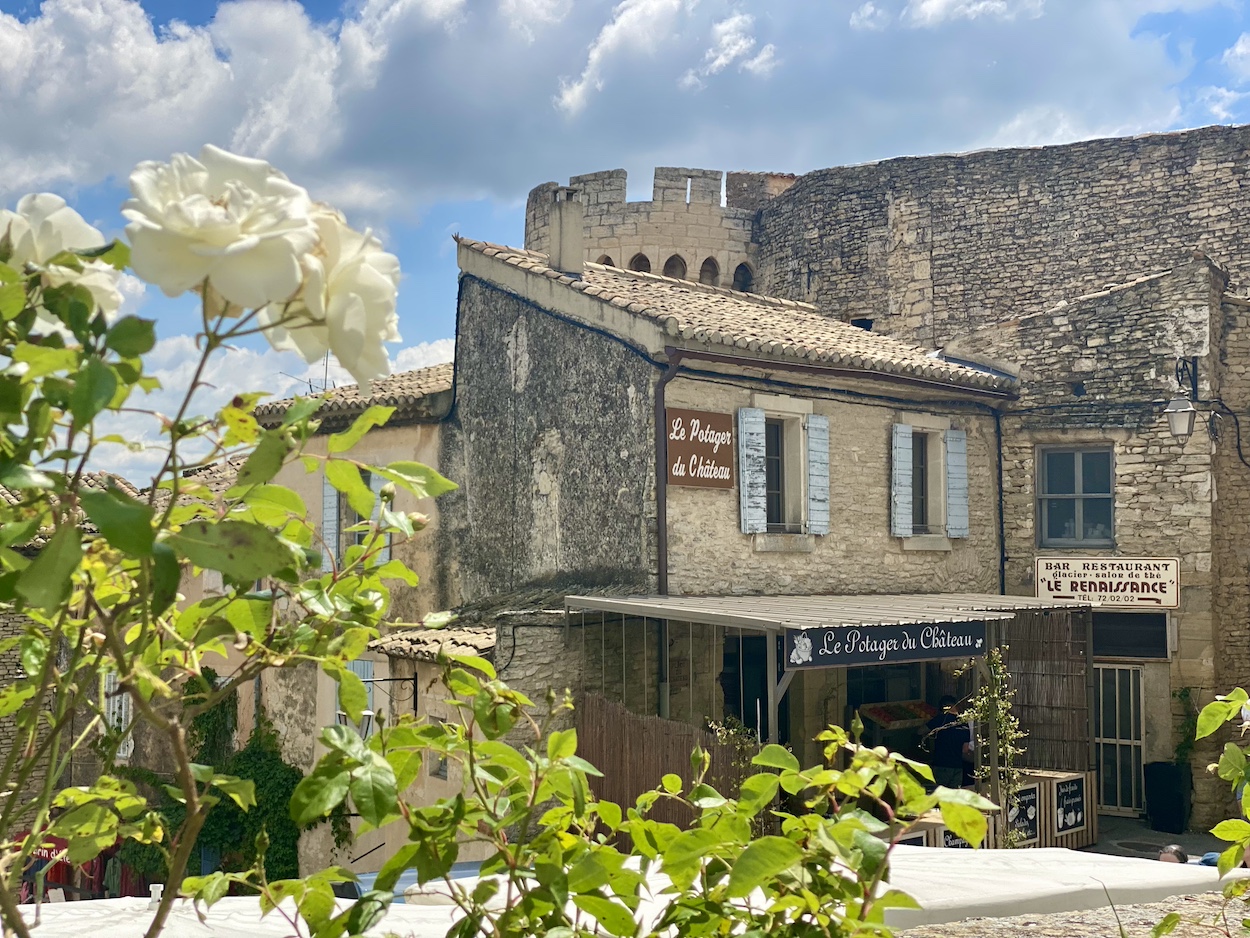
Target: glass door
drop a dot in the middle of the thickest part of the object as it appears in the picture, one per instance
(1118, 707)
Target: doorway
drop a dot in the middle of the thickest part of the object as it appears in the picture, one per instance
(1118, 708)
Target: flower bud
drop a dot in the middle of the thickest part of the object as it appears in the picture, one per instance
(419, 520)
(387, 493)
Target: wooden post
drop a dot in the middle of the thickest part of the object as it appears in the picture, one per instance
(770, 682)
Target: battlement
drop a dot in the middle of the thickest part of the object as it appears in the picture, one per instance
(685, 231)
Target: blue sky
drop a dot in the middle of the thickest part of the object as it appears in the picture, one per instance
(424, 117)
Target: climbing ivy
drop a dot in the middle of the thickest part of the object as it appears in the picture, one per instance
(991, 706)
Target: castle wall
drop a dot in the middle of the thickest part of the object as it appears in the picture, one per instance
(685, 219)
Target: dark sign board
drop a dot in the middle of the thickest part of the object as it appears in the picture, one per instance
(1024, 815)
(912, 840)
(953, 841)
(843, 646)
(700, 449)
(1070, 805)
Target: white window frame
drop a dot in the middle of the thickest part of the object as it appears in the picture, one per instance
(1077, 543)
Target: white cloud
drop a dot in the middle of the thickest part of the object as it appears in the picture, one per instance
(869, 16)
(732, 41)
(636, 25)
(525, 15)
(1221, 103)
(933, 12)
(1236, 57)
(281, 374)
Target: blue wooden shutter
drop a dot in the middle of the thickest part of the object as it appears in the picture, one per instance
(956, 483)
(751, 478)
(900, 482)
(329, 524)
(376, 482)
(817, 474)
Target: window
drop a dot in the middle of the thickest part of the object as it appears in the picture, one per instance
(783, 468)
(606, 260)
(117, 712)
(1130, 634)
(709, 273)
(640, 263)
(920, 483)
(743, 278)
(438, 767)
(774, 474)
(369, 724)
(338, 516)
(1074, 498)
(928, 480)
(675, 267)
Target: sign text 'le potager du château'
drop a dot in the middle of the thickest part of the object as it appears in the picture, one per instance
(841, 646)
(700, 449)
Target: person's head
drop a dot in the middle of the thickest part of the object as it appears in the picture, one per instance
(1173, 853)
(947, 703)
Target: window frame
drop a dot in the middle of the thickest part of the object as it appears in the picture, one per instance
(921, 489)
(1078, 497)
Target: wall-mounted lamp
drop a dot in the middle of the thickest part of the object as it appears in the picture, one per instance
(1182, 414)
(364, 727)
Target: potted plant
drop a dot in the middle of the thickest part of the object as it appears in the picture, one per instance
(1169, 784)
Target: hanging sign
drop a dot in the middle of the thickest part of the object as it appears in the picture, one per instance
(1070, 805)
(1123, 582)
(1024, 815)
(840, 646)
(700, 449)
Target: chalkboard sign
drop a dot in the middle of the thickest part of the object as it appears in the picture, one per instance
(1070, 805)
(1024, 815)
(912, 840)
(953, 841)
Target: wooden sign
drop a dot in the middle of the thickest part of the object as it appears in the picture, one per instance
(700, 449)
(842, 646)
(1120, 582)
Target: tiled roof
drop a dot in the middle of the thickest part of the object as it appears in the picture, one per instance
(409, 392)
(424, 644)
(90, 480)
(750, 325)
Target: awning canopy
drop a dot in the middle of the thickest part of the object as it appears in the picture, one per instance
(775, 613)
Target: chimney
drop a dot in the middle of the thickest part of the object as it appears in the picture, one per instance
(568, 250)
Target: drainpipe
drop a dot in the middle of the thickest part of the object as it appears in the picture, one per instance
(1002, 524)
(661, 524)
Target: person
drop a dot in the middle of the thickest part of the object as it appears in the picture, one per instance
(947, 737)
(1173, 853)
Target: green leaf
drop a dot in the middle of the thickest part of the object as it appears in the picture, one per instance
(1232, 764)
(240, 550)
(116, 254)
(12, 300)
(94, 387)
(124, 522)
(964, 821)
(561, 744)
(265, 462)
(671, 783)
(1235, 830)
(23, 476)
(609, 812)
(131, 337)
(242, 791)
(278, 499)
(757, 792)
(345, 477)
(374, 791)
(614, 917)
(776, 757)
(759, 862)
(397, 570)
(319, 793)
(166, 578)
(375, 416)
(1166, 925)
(1214, 715)
(1230, 859)
(474, 662)
(47, 581)
(346, 741)
(207, 889)
(417, 478)
(353, 695)
(394, 868)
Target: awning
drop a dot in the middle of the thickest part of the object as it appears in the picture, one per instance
(775, 613)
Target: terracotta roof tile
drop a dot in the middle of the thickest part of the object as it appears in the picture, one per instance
(768, 326)
(424, 644)
(407, 391)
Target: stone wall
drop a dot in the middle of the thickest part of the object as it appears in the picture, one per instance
(685, 218)
(552, 437)
(934, 246)
(708, 554)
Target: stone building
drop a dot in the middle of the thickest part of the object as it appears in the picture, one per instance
(1073, 268)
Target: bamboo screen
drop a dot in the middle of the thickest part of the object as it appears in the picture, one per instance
(1050, 671)
(634, 752)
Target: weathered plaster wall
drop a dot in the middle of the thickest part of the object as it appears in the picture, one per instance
(708, 555)
(684, 218)
(552, 431)
(933, 246)
(436, 570)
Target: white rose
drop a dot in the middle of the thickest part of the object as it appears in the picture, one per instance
(42, 227)
(236, 222)
(347, 305)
